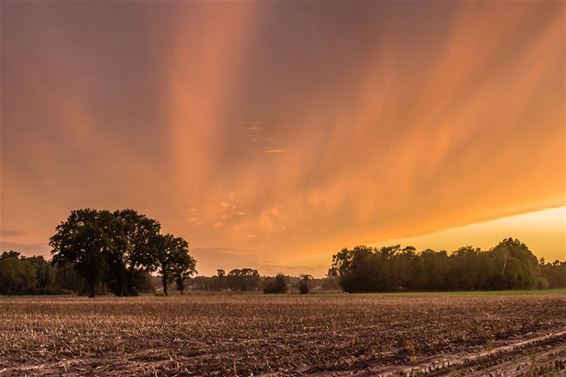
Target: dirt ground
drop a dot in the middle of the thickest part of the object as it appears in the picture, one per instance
(287, 335)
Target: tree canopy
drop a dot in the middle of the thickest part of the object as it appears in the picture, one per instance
(508, 265)
(112, 247)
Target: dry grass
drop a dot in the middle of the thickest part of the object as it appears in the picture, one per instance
(228, 335)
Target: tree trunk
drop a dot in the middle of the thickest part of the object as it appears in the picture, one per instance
(92, 288)
(130, 283)
(164, 281)
(91, 284)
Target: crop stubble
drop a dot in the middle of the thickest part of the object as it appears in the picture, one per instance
(319, 335)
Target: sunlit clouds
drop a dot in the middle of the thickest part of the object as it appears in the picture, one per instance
(272, 134)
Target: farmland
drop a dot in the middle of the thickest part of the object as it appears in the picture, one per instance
(288, 335)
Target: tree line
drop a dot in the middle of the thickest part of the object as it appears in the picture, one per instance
(21, 275)
(248, 279)
(508, 265)
(98, 251)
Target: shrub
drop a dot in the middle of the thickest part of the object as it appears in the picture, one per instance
(275, 285)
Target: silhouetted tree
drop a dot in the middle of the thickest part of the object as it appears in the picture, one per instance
(244, 279)
(83, 241)
(277, 284)
(135, 233)
(171, 259)
(184, 267)
(304, 284)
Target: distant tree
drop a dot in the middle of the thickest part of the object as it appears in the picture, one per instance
(357, 269)
(244, 279)
(304, 284)
(171, 259)
(519, 266)
(44, 274)
(275, 285)
(184, 266)
(509, 265)
(17, 276)
(555, 274)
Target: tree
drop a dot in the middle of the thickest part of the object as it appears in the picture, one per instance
(275, 285)
(17, 276)
(304, 284)
(83, 240)
(519, 266)
(171, 259)
(358, 270)
(44, 273)
(184, 266)
(136, 232)
(555, 274)
(67, 278)
(244, 279)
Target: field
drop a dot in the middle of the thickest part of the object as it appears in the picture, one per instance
(288, 335)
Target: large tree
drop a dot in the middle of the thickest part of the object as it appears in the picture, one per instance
(137, 231)
(84, 241)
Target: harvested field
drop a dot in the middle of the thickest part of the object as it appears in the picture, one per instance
(315, 335)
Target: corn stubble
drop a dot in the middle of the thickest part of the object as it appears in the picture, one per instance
(317, 335)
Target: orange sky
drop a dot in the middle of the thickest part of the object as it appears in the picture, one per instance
(271, 134)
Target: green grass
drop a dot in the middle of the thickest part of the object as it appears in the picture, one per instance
(533, 292)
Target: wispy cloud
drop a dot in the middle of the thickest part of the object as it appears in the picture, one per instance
(340, 168)
(11, 233)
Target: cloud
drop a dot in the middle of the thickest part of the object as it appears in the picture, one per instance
(26, 248)
(11, 233)
(390, 126)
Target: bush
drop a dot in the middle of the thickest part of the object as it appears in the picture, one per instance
(275, 285)
(303, 287)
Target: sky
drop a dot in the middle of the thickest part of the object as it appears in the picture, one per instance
(273, 134)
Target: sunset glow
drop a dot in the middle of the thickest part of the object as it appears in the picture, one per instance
(272, 134)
